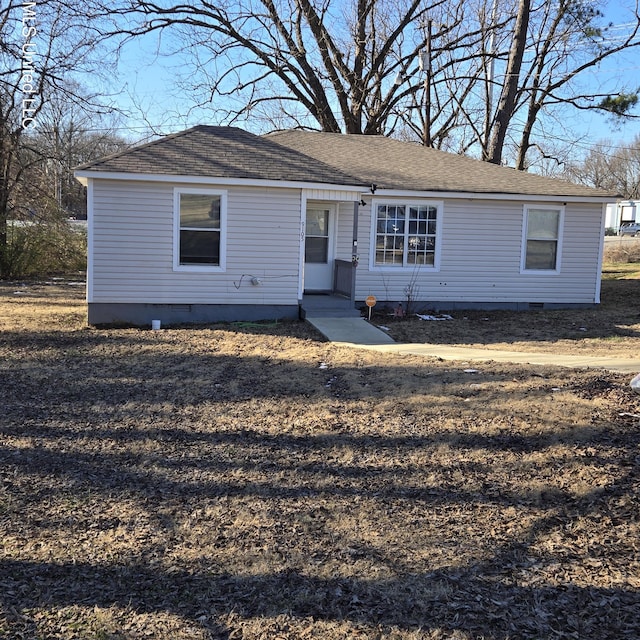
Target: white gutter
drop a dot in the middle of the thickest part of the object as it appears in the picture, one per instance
(471, 195)
(83, 176)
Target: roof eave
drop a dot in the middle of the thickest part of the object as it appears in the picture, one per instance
(492, 195)
(83, 175)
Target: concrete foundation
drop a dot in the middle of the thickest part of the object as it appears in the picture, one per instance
(141, 315)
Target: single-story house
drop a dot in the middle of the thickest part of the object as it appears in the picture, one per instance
(219, 224)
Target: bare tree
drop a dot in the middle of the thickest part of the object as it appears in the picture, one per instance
(41, 43)
(572, 38)
(337, 66)
(70, 133)
(422, 69)
(542, 87)
(611, 167)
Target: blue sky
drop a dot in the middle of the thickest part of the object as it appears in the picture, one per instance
(146, 84)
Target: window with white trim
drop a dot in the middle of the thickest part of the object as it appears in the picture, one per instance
(542, 238)
(405, 235)
(200, 216)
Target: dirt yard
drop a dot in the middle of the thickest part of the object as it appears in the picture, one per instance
(612, 328)
(252, 481)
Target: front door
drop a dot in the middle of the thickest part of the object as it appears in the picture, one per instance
(318, 248)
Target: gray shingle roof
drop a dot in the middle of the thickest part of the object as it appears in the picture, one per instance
(221, 152)
(331, 158)
(393, 164)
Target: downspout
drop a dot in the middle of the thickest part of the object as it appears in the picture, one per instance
(354, 251)
(303, 223)
(90, 239)
(603, 221)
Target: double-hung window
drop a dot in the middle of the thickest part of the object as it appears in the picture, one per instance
(200, 217)
(406, 234)
(542, 238)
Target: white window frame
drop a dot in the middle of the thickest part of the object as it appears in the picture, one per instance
(525, 224)
(201, 268)
(395, 268)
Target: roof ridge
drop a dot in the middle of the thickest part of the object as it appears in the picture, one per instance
(310, 157)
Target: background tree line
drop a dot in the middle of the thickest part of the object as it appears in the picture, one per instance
(611, 167)
(48, 125)
(490, 78)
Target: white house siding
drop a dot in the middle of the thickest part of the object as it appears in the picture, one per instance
(480, 257)
(330, 195)
(344, 243)
(133, 247)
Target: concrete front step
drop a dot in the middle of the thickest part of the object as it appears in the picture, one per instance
(328, 306)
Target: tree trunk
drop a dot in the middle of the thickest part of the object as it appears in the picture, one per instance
(525, 139)
(4, 194)
(507, 103)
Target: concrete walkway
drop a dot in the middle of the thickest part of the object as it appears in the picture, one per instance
(357, 332)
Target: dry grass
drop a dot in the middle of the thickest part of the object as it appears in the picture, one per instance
(256, 482)
(612, 328)
(622, 250)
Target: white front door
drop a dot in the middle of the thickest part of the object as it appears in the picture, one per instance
(318, 248)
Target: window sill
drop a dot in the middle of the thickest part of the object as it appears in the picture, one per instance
(540, 272)
(197, 268)
(409, 269)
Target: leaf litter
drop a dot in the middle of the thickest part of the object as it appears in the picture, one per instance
(218, 482)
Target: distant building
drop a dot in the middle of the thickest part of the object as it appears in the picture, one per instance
(621, 212)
